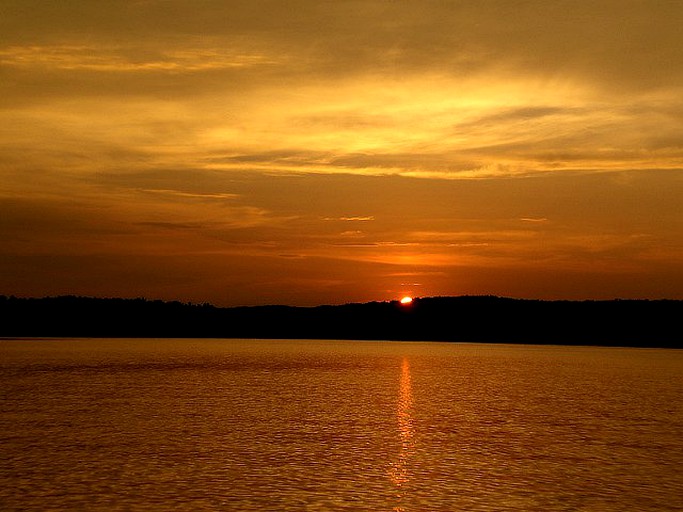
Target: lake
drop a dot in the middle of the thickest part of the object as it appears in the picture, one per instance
(280, 425)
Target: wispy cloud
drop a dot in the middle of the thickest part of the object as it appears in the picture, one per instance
(130, 59)
(190, 195)
(357, 218)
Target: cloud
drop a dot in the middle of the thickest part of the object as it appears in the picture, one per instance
(357, 218)
(131, 59)
(191, 195)
(438, 90)
(443, 128)
(626, 44)
(533, 220)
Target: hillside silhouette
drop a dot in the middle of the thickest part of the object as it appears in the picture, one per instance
(636, 323)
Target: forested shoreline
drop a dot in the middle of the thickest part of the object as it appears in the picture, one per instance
(635, 323)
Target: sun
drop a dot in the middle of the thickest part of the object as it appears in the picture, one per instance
(406, 300)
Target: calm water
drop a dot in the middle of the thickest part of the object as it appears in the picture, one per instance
(321, 425)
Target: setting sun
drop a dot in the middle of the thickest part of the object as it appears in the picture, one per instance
(406, 300)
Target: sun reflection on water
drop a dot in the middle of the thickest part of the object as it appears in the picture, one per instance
(399, 470)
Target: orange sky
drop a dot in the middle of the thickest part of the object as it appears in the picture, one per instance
(319, 152)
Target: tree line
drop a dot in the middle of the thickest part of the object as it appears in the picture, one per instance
(636, 323)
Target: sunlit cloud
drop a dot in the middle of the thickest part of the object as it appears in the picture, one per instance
(533, 219)
(123, 59)
(357, 218)
(422, 127)
(190, 195)
(444, 129)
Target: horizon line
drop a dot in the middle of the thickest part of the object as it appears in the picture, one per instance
(387, 301)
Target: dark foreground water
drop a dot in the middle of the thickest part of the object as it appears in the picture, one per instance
(244, 425)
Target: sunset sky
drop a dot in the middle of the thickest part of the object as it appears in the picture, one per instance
(305, 152)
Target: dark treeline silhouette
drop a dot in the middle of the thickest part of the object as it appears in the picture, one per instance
(637, 323)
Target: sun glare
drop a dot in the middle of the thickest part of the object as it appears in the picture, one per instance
(406, 300)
